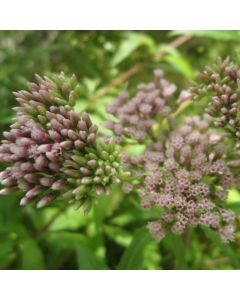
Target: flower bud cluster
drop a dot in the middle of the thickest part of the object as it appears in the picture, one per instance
(188, 179)
(51, 152)
(138, 115)
(221, 83)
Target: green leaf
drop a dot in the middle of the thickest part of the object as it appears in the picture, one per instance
(176, 246)
(225, 248)
(224, 35)
(32, 256)
(101, 209)
(132, 215)
(87, 260)
(235, 207)
(152, 256)
(118, 235)
(233, 196)
(132, 258)
(132, 41)
(68, 239)
(70, 219)
(233, 201)
(177, 61)
(6, 251)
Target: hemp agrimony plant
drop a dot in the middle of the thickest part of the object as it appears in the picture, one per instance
(185, 168)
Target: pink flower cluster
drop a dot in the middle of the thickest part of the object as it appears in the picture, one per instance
(50, 152)
(189, 180)
(137, 115)
(220, 83)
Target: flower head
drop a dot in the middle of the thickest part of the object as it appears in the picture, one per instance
(137, 115)
(221, 83)
(51, 152)
(189, 180)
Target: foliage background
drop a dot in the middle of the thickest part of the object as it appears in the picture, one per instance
(113, 235)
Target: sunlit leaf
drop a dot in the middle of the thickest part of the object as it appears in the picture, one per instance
(132, 41)
(177, 61)
(118, 235)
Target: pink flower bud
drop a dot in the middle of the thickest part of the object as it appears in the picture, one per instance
(93, 129)
(52, 157)
(27, 167)
(46, 181)
(44, 148)
(84, 171)
(91, 138)
(19, 151)
(41, 162)
(67, 145)
(6, 191)
(58, 185)
(22, 141)
(45, 201)
(72, 135)
(67, 123)
(92, 163)
(73, 117)
(54, 167)
(25, 201)
(50, 115)
(34, 192)
(71, 172)
(31, 178)
(83, 135)
(56, 125)
(64, 132)
(82, 125)
(39, 136)
(79, 145)
(86, 119)
(9, 181)
(55, 136)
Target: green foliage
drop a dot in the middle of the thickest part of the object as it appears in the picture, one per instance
(131, 42)
(113, 235)
(132, 258)
(224, 35)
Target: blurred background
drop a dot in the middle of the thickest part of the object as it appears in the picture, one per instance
(113, 235)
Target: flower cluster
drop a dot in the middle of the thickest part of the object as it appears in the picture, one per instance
(51, 152)
(221, 83)
(182, 171)
(189, 179)
(138, 115)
